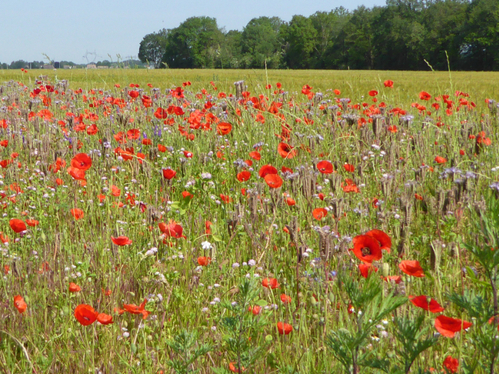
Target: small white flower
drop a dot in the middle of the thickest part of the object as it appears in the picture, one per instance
(235, 265)
(206, 245)
(251, 262)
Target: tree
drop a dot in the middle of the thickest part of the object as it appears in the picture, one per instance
(400, 37)
(193, 44)
(444, 21)
(300, 37)
(480, 49)
(356, 38)
(230, 51)
(152, 47)
(261, 43)
(328, 26)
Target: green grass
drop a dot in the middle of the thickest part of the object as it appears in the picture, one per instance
(308, 257)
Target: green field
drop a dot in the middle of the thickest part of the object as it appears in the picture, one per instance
(181, 229)
(351, 83)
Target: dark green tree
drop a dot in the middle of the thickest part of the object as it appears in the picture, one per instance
(152, 47)
(261, 43)
(300, 39)
(18, 64)
(399, 36)
(480, 48)
(230, 55)
(194, 44)
(444, 21)
(328, 26)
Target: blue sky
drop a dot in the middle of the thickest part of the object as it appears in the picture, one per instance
(71, 30)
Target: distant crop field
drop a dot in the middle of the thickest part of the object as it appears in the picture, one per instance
(176, 221)
(352, 83)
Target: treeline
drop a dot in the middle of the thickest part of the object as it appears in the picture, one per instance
(21, 64)
(402, 35)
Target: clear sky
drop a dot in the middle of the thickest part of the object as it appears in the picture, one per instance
(93, 29)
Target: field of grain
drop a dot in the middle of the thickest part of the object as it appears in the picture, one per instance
(213, 221)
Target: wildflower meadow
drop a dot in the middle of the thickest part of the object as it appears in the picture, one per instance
(258, 222)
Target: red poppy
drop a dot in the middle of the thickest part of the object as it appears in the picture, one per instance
(267, 169)
(17, 225)
(160, 113)
(388, 83)
(204, 261)
(81, 161)
(319, 213)
(349, 186)
(243, 176)
(284, 328)
(225, 198)
(397, 279)
(73, 287)
(255, 155)
(20, 304)
(32, 222)
(161, 148)
(286, 151)
(290, 201)
(273, 180)
(104, 319)
(440, 160)
(426, 303)
(115, 191)
(77, 213)
(121, 240)
(133, 134)
(85, 314)
(448, 326)
(349, 167)
(270, 283)
(366, 269)
(424, 95)
(78, 174)
(187, 194)
(134, 309)
(412, 268)
(172, 229)
(285, 298)
(384, 240)
(207, 226)
(255, 310)
(373, 93)
(169, 173)
(366, 248)
(232, 367)
(325, 167)
(451, 364)
(224, 128)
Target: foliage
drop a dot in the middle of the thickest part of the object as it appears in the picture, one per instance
(140, 234)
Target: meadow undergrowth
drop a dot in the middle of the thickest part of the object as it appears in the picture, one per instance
(261, 229)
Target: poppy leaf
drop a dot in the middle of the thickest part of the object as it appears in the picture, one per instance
(261, 303)
(217, 238)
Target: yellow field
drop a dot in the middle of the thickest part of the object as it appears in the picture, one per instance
(353, 84)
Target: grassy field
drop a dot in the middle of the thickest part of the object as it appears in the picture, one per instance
(156, 226)
(350, 82)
